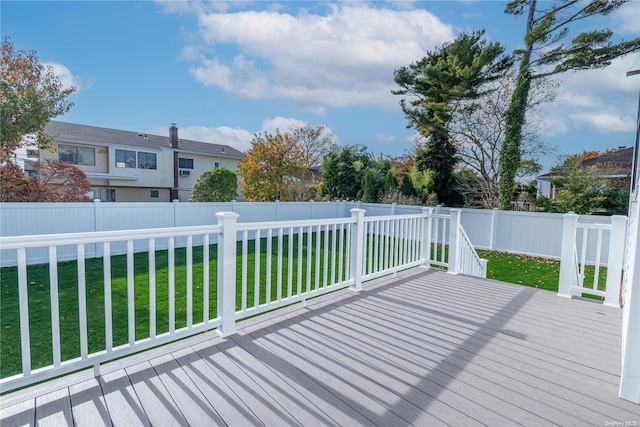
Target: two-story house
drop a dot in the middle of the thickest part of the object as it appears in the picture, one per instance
(126, 166)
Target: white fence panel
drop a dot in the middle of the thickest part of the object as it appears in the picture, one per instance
(479, 225)
(536, 234)
(20, 219)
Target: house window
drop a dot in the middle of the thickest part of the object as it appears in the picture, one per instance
(85, 156)
(105, 194)
(33, 153)
(155, 194)
(146, 160)
(185, 163)
(216, 164)
(125, 159)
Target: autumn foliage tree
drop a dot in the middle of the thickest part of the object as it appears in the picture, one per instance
(271, 166)
(31, 95)
(56, 182)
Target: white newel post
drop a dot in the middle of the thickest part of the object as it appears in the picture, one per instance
(357, 248)
(426, 237)
(567, 266)
(454, 241)
(616, 259)
(227, 273)
(483, 267)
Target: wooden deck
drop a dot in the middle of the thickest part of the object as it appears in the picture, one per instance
(424, 348)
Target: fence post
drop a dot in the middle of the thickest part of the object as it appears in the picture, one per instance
(393, 208)
(426, 237)
(175, 212)
(97, 222)
(227, 273)
(311, 204)
(615, 260)
(454, 241)
(233, 205)
(494, 228)
(567, 265)
(277, 205)
(357, 248)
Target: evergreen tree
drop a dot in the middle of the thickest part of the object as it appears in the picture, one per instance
(455, 72)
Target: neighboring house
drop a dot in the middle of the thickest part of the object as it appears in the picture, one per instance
(615, 164)
(125, 166)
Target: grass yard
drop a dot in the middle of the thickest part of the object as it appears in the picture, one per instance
(39, 297)
(535, 272)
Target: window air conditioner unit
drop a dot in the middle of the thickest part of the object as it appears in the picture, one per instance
(185, 173)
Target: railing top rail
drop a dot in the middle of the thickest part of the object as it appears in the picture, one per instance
(440, 215)
(294, 223)
(41, 240)
(594, 226)
(388, 217)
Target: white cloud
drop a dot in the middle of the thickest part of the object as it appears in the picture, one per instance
(604, 122)
(345, 58)
(627, 17)
(384, 138)
(67, 78)
(281, 123)
(238, 138)
(602, 101)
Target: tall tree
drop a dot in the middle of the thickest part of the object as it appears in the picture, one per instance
(315, 143)
(545, 54)
(56, 182)
(343, 170)
(270, 166)
(437, 83)
(478, 130)
(31, 95)
(215, 185)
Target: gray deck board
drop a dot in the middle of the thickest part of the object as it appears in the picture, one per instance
(54, 409)
(193, 405)
(232, 409)
(122, 402)
(268, 410)
(340, 411)
(18, 415)
(157, 402)
(425, 348)
(88, 406)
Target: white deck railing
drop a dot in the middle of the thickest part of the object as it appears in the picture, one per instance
(258, 267)
(609, 243)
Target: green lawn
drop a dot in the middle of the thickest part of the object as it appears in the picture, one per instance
(531, 271)
(39, 297)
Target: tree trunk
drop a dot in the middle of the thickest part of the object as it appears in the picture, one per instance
(515, 118)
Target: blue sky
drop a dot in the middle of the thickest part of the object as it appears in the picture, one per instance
(224, 70)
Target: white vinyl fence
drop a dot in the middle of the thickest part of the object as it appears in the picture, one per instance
(530, 233)
(278, 263)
